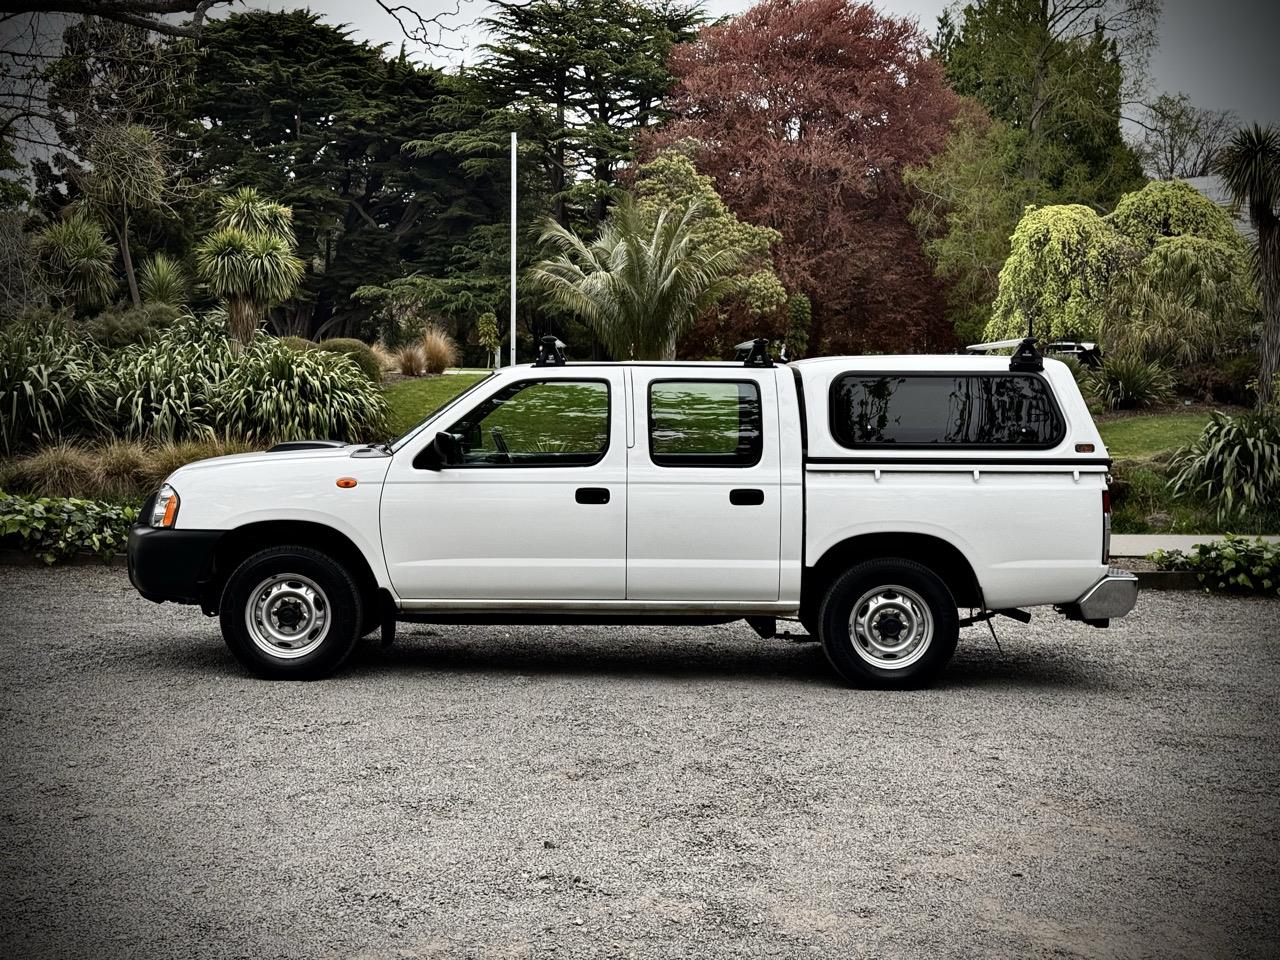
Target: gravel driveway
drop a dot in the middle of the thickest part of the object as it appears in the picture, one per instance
(513, 792)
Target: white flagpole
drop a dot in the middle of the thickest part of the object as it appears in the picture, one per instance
(513, 247)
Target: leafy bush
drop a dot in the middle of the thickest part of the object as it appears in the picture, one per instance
(162, 389)
(298, 343)
(56, 528)
(1221, 380)
(125, 325)
(48, 386)
(1128, 382)
(411, 361)
(1232, 565)
(1235, 464)
(358, 351)
(192, 383)
(438, 350)
(273, 393)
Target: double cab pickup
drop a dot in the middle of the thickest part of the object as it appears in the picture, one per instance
(873, 499)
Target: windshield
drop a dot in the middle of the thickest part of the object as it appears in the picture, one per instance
(399, 441)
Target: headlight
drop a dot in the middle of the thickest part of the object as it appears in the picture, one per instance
(166, 509)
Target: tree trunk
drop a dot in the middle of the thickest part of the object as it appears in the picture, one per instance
(1269, 280)
(126, 258)
(242, 318)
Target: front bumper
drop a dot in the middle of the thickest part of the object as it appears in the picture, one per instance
(1112, 597)
(171, 565)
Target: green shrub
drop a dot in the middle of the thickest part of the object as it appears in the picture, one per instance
(125, 325)
(1232, 564)
(1222, 380)
(360, 352)
(48, 386)
(1235, 464)
(192, 383)
(55, 528)
(1129, 382)
(273, 393)
(162, 390)
(298, 343)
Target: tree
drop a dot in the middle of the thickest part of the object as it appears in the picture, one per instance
(1189, 300)
(248, 260)
(1057, 72)
(670, 182)
(588, 75)
(1250, 167)
(1180, 140)
(1056, 282)
(1173, 208)
(638, 285)
(487, 334)
(77, 257)
(804, 113)
(128, 176)
(357, 144)
(966, 202)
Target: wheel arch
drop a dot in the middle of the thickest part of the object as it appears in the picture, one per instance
(239, 543)
(939, 555)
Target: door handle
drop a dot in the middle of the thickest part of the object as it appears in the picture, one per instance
(746, 498)
(592, 495)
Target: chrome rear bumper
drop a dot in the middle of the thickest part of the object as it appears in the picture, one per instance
(1112, 597)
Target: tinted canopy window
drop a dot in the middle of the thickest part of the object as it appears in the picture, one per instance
(544, 422)
(970, 410)
(704, 423)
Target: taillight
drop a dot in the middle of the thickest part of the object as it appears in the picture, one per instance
(1106, 526)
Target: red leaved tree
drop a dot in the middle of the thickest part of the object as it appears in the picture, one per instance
(805, 112)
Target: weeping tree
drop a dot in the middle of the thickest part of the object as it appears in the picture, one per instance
(248, 260)
(641, 282)
(78, 260)
(1250, 167)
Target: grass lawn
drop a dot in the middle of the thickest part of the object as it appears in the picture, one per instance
(1143, 436)
(411, 400)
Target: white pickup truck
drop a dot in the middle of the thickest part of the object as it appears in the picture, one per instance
(868, 497)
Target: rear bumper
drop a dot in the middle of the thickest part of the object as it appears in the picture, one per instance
(171, 565)
(1112, 597)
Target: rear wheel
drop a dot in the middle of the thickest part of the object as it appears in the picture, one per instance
(291, 613)
(889, 623)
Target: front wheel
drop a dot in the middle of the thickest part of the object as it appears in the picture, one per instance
(291, 613)
(889, 623)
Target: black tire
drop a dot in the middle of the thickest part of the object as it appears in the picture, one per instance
(318, 590)
(883, 657)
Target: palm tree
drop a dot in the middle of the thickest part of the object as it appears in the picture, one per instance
(79, 259)
(249, 259)
(249, 272)
(640, 283)
(248, 210)
(1250, 167)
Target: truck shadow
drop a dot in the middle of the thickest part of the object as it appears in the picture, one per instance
(578, 652)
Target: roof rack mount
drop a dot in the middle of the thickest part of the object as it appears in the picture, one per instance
(550, 353)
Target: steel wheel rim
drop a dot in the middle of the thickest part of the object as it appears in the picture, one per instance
(288, 616)
(891, 627)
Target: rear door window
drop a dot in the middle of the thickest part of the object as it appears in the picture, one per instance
(705, 423)
(944, 410)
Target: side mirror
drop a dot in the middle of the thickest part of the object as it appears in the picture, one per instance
(442, 451)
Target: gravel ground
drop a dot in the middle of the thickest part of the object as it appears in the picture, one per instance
(513, 792)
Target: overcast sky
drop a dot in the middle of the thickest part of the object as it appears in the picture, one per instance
(1221, 53)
